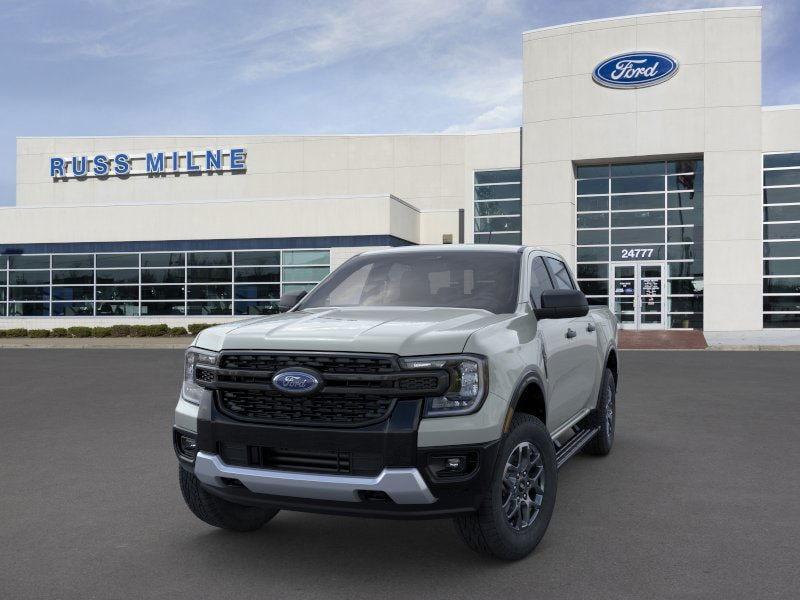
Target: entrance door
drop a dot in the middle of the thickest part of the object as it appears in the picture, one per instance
(637, 294)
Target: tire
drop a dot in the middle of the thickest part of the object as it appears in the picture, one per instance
(605, 417)
(489, 531)
(218, 512)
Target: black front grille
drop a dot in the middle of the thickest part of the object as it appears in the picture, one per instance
(324, 363)
(343, 410)
(289, 459)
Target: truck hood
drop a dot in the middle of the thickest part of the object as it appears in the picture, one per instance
(403, 331)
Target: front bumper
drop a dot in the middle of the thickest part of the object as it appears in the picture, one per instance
(401, 481)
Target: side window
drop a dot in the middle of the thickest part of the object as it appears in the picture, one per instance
(560, 273)
(540, 281)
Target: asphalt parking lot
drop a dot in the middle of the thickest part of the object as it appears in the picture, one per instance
(700, 497)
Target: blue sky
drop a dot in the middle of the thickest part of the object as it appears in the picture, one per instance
(152, 67)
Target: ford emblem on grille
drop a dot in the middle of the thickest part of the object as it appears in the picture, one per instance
(295, 382)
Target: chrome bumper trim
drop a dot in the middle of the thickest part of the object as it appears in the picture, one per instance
(403, 485)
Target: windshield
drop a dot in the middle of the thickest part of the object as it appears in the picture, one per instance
(456, 279)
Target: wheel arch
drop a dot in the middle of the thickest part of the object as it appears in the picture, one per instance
(529, 398)
(613, 364)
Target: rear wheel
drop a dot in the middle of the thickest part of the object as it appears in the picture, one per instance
(516, 510)
(605, 417)
(218, 512)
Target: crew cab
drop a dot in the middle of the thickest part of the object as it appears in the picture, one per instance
(416, 382)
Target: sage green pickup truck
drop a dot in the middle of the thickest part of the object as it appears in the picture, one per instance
(416, 382)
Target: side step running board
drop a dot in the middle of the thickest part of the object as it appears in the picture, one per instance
(571, 448)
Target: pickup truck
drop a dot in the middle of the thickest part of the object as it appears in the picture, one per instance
(416, 382)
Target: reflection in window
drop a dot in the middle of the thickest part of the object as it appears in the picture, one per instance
(498, 207)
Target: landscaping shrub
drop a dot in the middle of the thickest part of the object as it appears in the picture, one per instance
(38, 333)
(80, 332)
(157, 330)
(195, 328)
(101, 332)
(59, 332)
(138, 330)
(120, 330)
(177, 331)
(16, 332)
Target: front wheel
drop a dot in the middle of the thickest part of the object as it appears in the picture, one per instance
(515, 512)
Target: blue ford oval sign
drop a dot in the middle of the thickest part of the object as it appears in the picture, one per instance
(635, 70)
(295, 382)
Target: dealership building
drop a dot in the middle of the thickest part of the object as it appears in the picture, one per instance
(644, 156)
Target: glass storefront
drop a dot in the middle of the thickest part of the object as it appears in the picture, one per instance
(208, 283)
(498, 207)
(781, 279)
(640, 241)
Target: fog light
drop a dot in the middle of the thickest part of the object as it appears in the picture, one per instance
(454, 464)
(187, 446)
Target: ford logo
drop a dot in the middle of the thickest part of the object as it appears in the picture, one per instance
(295, 382)
(635, 70)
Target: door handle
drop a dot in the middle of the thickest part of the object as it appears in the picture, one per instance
(571, 333)
(590, 327)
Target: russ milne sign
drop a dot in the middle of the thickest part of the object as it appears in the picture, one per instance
(635, 70)
(152, 163)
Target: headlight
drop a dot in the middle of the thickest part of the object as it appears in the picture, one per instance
(191, 390)
(468, 383)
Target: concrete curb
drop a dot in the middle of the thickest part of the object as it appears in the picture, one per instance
(104, 343)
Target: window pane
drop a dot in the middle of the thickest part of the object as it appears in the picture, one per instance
(594, 288)
(73, 293)
(684, 217)
(2, 277)
(684, 286)
(680, 234)
(694, 304)
(684, 166)
(783, 303)
(684, 199)
(780, 249)
(597, 301)
(498, 238)
(593, 237)
(28, 261)
(209, 259)
(73, 277)
(257, 274)
(162, 292)
(686, 321)
(592, 254)
(789, 177)
(164, 259)
(637, 184)
(680, 251)
(782, 231)
(782, 213)
(501, 224)
(650, 168)
(293, 288)
(162, 308)
(270, 257)
(682, 182)
(209, 308)
(592, 186)
(114, 261)
(593, 220)
(791, 159)
(773, 321)
(597, 203)
(782, 195)
(73, 261)
(637, 202)
(255, 308)
(209, 292)
(782, 267)
(163, 275)
(304, 273)
(559, 274)
(28, 309)
(637, 236)
(118, 276)
(254, 292)
(782, 285)
(681, 269)
(117, 309)
(540, 281)
(505, 175)
(29, 293)
(494, 192)
(306, 257)
(115, 292)
(506, 207)
(592, 271)
(637, 219)
(29, 277)
(73, 309)
(209, 275)
(587, 171)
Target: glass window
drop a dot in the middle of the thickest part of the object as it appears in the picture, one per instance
(782, 303)
(294, 288)
(650, 168)
(209, 292)
(209, 259)
(782, 195)
(117, 275)
(680, 234)
(29, 277)
(29, 293)
(782, 285)
(786, 320)
(782, 267)
(255, 308)
(73, 309)
(684, 286)
(686, 321)
(785, 231)
(540, 281)
(504, 207)
(592, 186)
(637, 218)
(587, 171)
(163, 276)
(304, 274)
(782, 213)
(81, 292)
(257, 258)
(66, 277)
(73, 261)
(494, 192)
(684, 217)
(2, 277)
(162, 309)
(257, 274)
(684, 166)
(559, 274)
(117, 292)
(306, 257)
(499, 224)
(117, 309)
(28, 309)
(593, 254)
(163, 259)
(637, 202)
(502, 176)
(681, 269)
(498, 238)
(788, 177)
(679, 251)
(593, 236)
(115, 261)
(592, 271)
(257, 292)
(209, 308)
(681, 182)
(594, 288)
(593, 203)
(29, 261)
(685, 200)
(162, 292)
(637, 184)
(209, 275)
(782, 249)
(789, 159)
(637, 236)
(593, 220)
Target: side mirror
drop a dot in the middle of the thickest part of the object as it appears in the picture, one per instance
(562, 304)
(288, 301)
